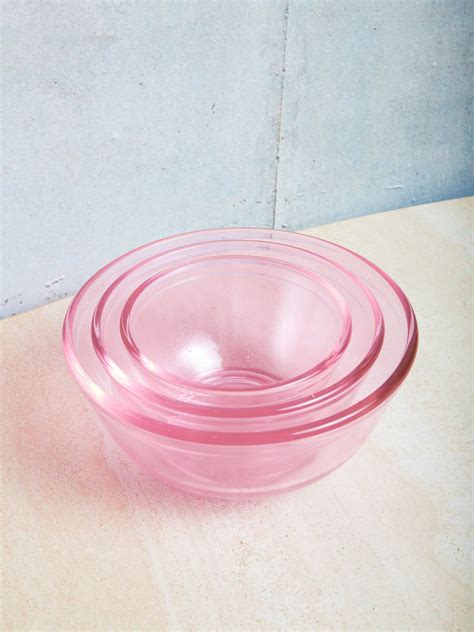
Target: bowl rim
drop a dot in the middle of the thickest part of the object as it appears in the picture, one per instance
(219, 435)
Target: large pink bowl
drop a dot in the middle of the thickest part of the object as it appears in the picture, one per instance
(240, 362)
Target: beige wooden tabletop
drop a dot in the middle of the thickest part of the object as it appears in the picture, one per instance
(90, 543)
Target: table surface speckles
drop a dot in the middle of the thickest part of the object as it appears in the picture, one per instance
(90, 543)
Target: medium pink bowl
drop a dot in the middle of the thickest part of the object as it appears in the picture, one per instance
(166, 351)
(240, 362)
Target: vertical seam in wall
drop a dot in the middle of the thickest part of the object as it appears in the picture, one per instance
(280, 109)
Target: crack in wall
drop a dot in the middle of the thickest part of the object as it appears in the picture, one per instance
(280, 110)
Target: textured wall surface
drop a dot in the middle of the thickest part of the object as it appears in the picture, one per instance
(375, 108)
(124, 121)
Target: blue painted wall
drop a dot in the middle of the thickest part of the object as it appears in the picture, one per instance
(125, 121)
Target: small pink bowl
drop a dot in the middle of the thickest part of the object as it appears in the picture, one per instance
(240, 362)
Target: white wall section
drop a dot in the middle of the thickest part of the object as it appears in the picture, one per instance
(125, 121)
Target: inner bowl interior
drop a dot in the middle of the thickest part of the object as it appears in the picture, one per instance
(235, 323)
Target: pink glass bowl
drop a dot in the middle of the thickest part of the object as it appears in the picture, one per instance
(239, 362)
(183, 317)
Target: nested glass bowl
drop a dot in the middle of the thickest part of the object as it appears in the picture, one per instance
(239, 362)
(212, 323)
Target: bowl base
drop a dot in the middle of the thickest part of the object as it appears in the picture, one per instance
(236, 379)
(240, 495)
